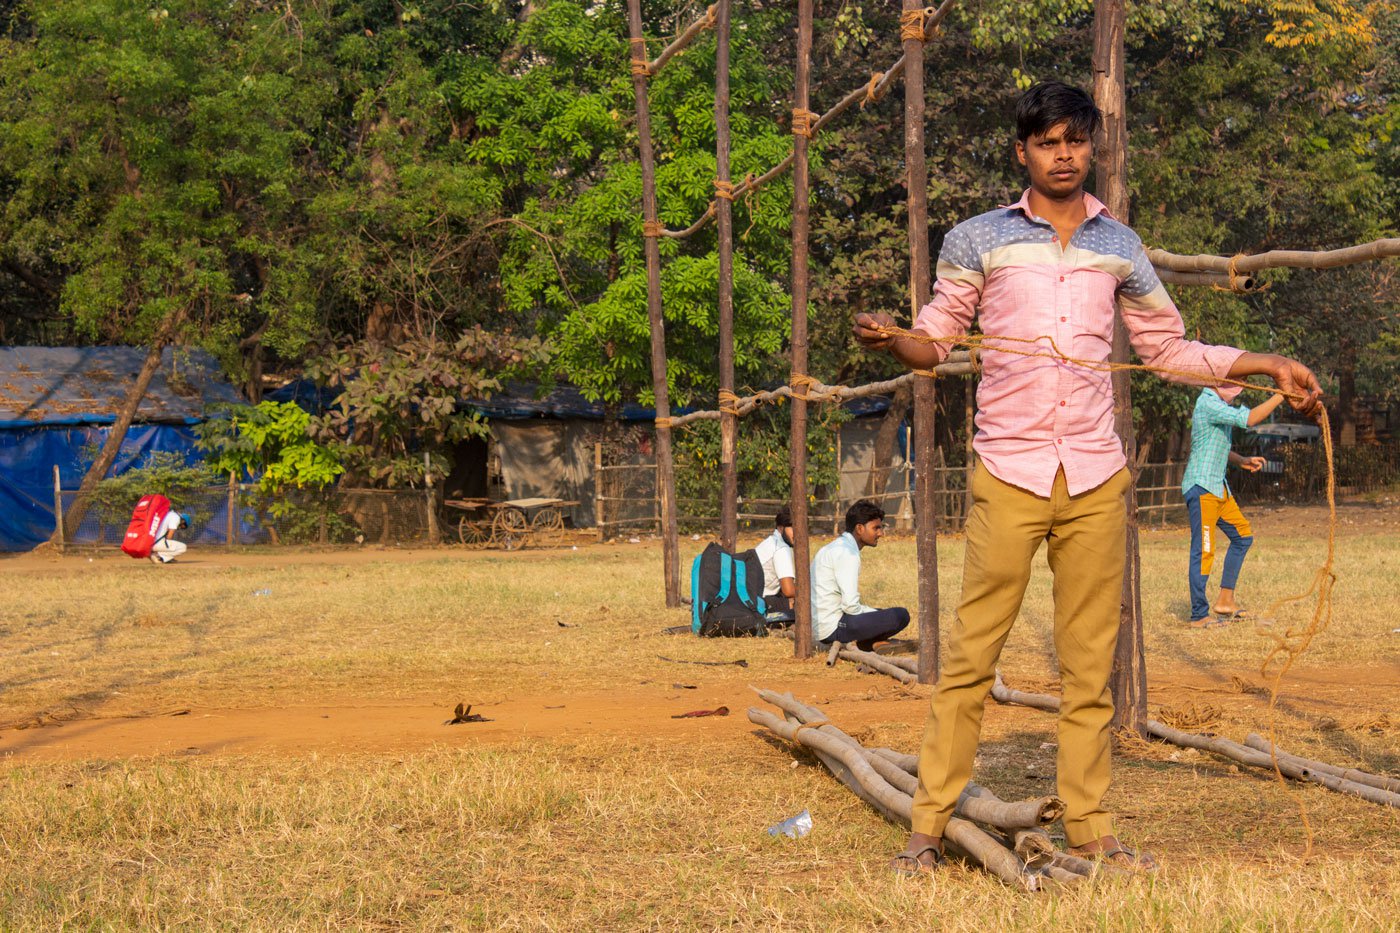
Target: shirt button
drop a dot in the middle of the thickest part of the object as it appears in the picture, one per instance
(1062, 278)
(1062, 404)
(1060, 441)
(1063, 319)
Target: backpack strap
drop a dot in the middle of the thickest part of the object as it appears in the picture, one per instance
(741, 585)
(726, 576)
(695, 607)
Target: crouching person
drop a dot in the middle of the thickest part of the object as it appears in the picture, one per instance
(837, 612)
(166, 548)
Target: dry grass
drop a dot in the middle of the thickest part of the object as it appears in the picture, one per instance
(587, 836)
(630, 832)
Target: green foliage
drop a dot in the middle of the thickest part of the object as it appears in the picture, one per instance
(762, 464)
(398, 402)
(164, 472)
(270, 442)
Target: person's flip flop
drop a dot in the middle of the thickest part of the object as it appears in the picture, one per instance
(1239, 615)
(1208, 622)
(1121, 856)
(911, 856)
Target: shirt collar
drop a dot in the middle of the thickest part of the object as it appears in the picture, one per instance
(1093, 207)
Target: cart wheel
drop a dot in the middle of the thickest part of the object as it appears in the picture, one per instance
(548, 524)
(509, 529)
(473, 533)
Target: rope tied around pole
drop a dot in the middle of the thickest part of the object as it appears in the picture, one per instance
(724, 189)
(925, 372)
(1240, 283)
(711, 16)
(665, 422)
(641, 65)
(911, 24)
(803, 121)
(653, 228)
(815, 724)
(800, 382)
(728, 403)
(872, 90)
(750, 187)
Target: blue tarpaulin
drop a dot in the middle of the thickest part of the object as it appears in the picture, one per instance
(55, 407)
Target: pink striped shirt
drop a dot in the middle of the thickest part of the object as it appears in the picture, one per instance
(1037, 415)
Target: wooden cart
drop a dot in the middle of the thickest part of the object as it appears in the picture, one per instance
(508, 525)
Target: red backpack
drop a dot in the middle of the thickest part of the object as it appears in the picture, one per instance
(145, 520)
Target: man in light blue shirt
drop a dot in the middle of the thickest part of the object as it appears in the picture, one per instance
(837, 612)
(1210, 504)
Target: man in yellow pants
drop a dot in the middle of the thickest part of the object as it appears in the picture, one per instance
(1051, 468)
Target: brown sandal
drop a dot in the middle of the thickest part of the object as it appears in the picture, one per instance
(1117, 855)
(913, 855)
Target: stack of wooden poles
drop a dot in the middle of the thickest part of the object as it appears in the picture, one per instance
(1007, 838)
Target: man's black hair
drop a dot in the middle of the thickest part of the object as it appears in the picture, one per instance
(1051, 102)
(864, 510)
(784, 518)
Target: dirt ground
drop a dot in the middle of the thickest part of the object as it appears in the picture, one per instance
(321, 723)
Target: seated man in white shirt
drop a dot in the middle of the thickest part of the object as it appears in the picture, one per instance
(167, 548)
(837, 612)
(779, 570)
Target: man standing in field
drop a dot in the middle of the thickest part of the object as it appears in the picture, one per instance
(1050, 467)
(1209, 501)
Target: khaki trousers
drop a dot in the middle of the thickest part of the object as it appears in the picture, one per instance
(1085, 537)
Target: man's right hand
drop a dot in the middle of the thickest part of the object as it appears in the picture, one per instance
(867, 330)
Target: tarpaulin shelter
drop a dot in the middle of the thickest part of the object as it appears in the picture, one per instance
(56, 406)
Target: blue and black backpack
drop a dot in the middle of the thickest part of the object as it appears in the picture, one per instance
(726, 594)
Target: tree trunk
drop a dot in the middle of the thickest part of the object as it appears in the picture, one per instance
(115, 435)
(885, 439)
(1129, 680)
(1346, 395)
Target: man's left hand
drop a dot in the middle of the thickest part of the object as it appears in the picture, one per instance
(1295, 379)
(1252, 464)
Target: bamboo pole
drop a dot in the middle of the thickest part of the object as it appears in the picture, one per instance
(925, 397)
(797, 439)
(1288, 766)
(847, 762)
(959, 363)
(1276, 259)
(877, 663)
(681, 42)
(901, 771)
(665, 463)
(724, 227)
(864, 92)
(1259, 743)
(1128, 681)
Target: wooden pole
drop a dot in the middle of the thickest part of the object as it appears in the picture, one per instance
(434, 533)
(231, 526)
(797, 440)
(1129, 679)
(724, 228)
(925, 516)
(598, 491)
(665, 463)
(59, 538)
